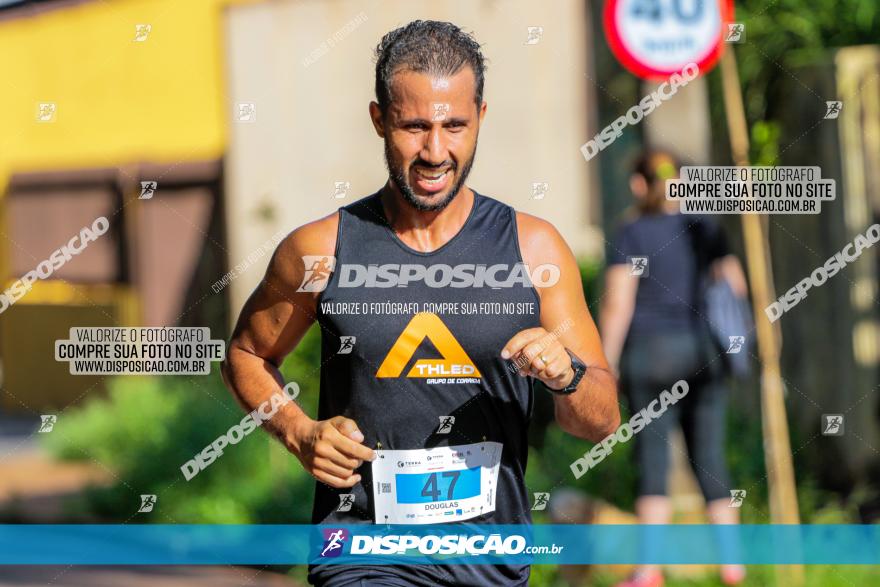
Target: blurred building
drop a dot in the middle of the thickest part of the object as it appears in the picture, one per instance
(101, 97)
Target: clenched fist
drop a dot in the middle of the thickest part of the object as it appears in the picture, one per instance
(538, 353)
(330, 450)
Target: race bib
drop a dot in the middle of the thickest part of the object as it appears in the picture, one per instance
(435, 485)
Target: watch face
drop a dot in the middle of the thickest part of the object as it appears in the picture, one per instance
(579, 369)
(578, 375)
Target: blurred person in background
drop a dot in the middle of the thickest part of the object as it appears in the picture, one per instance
(654, 334)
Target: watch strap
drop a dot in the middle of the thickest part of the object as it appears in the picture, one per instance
(579, 368)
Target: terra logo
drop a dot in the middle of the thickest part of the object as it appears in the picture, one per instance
(334, 540)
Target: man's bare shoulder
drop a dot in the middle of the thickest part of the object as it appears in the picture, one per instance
(317, 237)
(539, 241)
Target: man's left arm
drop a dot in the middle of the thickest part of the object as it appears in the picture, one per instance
(592, 410)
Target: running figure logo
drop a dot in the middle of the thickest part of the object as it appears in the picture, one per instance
(446, 423)
(540, 189)
(47, 423)
(441, 111)
(318, 270)
(333, 541)
(148, 188)
(638, 266)
(141, 32)
(736, 344)
(246, 112)
(737, 496)
(346, 345)
(340, 189)
(832, 109)
(832, 424)
(541, 500)
(346, 500)
(147, 503)
(534, 34)
(735, 31)
(46, 112)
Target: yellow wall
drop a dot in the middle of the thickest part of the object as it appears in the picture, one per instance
(118, 101)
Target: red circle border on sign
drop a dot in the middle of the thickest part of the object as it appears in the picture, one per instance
(630, 62)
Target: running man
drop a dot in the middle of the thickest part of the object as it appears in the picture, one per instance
(445, 424)
(319, 270)
(345, 344)
(334, 543)
(504, 279)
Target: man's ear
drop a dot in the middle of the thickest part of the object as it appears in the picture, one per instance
(482, 111)
(376, 117)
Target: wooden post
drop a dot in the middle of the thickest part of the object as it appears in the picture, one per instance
(777, 449)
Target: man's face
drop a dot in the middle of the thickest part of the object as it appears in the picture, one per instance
(430, 133)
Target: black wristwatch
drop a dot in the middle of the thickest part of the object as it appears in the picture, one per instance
(579, 369)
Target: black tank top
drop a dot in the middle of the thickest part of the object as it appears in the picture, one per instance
(472, 297)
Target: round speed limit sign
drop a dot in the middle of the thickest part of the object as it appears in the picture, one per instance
(656, 38)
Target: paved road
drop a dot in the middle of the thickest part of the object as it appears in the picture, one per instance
(33, 486)
(17, 436)
(154, 576)
(37, 485)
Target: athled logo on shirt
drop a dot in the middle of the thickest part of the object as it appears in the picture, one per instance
(455, 366)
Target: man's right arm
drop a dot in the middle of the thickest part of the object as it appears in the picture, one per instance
(272, 322)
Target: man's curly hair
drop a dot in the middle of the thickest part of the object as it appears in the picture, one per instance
(426, 46)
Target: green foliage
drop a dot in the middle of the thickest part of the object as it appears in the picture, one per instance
(614, 480)
(782, 36)
(148, 427)
(591, 279)
(765, 142)
(786, 33)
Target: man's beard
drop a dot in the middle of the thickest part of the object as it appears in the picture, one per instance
(400, 180)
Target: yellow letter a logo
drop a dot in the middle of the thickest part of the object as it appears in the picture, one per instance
(454, 362)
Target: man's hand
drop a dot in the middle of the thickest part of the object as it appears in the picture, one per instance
(538, 353)
(330, 450)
